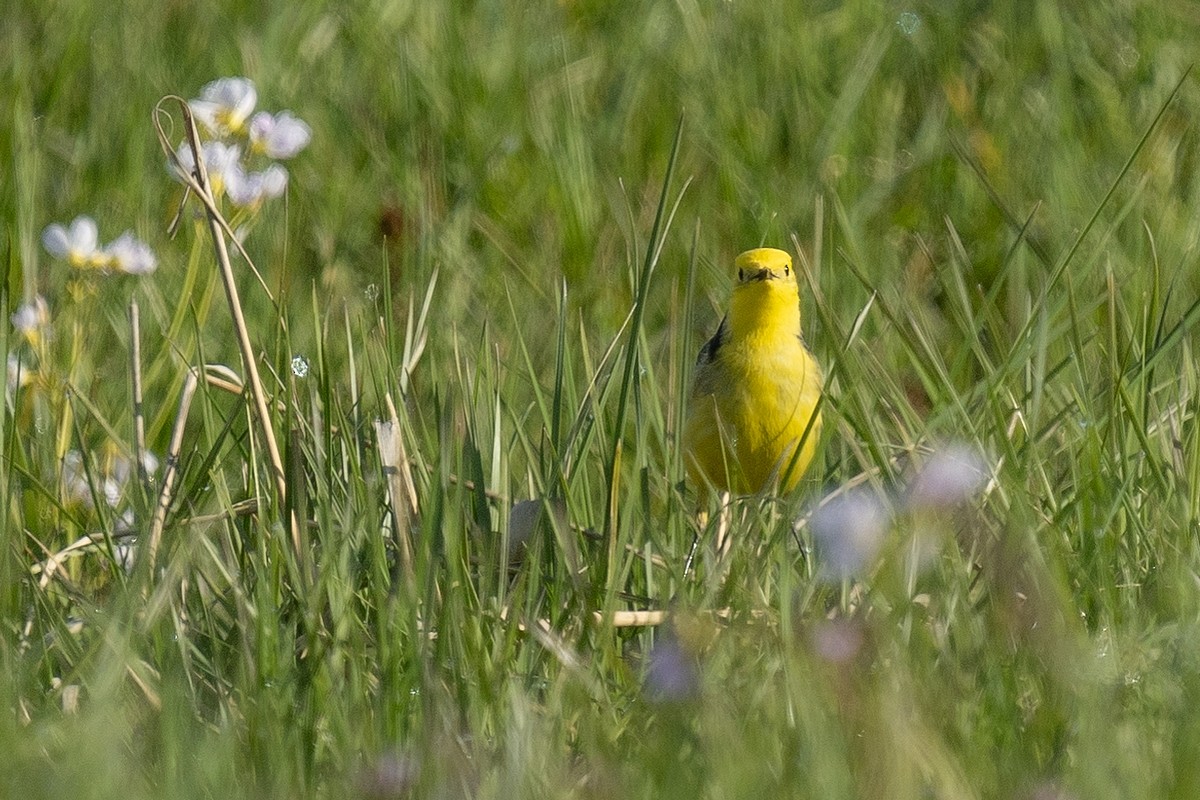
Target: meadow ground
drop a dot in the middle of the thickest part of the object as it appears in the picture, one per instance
(514, 224)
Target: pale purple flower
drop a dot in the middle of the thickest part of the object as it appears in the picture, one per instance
(281, 135)
(131, 255)
(225, 104)
(951, 476)
(849, 530)
(77, 243)
(225, 107)
(837, 641)
(672, 673)
(391, 774)
(125, 551)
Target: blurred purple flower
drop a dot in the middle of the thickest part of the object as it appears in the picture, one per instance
(220, 160)
(391, 775)
(951, 476)
(849, 530)
(19, 375)
(672, 674)
(837, 641)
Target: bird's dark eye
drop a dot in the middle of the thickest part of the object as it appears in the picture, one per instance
(741, 274)
(787, 270)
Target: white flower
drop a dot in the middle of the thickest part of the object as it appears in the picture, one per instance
(74, 479)
(222, 161)
(78, 487)
(131, 255)
(19, 375)
(219, 159)
(78, 244)
(30, 317)
(848, 531)
(281, 135)
(125, 551)
(122, 467)
(110, 482)
(228, 176)
(251, 188)
(225, 104)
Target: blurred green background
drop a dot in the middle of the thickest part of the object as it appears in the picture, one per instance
(524, 142)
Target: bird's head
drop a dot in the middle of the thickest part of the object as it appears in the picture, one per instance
(766, 296)
(764, 265)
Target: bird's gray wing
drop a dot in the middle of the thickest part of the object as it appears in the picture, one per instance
(708, 353)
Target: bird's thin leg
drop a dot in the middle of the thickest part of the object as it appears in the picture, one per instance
(701, 525)
(723, 527)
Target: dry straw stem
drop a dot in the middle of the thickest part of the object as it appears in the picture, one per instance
(91, 541)
(50, 564)
(172, 468)
(641, 618)
(631, 619)
(197, 182)
(135, 371)
(401, 489)
(176, 444)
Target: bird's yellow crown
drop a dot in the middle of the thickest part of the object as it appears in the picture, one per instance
(764, 263)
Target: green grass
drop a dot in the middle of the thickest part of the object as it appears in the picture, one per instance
(996, 208)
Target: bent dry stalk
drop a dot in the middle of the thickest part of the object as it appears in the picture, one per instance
(197, 181)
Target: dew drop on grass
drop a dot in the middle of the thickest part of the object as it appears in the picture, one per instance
(300, 366)
(908, 22)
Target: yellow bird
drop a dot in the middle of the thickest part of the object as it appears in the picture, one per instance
(754, 400)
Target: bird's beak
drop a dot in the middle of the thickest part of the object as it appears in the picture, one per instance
(764, 274)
